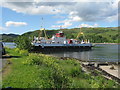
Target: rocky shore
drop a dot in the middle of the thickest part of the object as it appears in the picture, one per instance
(108, 43)
(109, 70)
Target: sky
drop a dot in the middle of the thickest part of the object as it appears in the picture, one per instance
(23, 16)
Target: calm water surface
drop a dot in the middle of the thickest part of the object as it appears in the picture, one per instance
(101, 52)
(9, 44)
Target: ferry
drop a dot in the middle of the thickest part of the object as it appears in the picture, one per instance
(59, 41)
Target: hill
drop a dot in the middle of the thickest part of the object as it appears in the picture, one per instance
(8, 37)
(95, 35)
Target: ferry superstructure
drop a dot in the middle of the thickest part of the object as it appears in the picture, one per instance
(58, 41)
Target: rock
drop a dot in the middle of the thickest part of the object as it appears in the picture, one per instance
(112, 67)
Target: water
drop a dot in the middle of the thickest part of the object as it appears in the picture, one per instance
(101, 53)
(9, 44)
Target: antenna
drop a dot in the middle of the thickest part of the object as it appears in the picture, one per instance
(42, 22)
(42, 29)
(40, 32)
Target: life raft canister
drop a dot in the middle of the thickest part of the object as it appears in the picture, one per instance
(70, 42)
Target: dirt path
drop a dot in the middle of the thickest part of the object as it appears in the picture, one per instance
(5, 66)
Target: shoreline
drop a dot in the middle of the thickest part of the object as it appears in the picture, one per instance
(71, 68)
(93, 43)
(108, 43)
(103, 67)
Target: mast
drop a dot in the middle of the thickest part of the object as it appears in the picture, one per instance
(41, 30)
(40, 33)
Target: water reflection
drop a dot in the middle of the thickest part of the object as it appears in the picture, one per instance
(101, 52)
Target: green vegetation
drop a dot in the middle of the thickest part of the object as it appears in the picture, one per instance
(8, 37)
(23, 43)
(31, 70)
(95, 35)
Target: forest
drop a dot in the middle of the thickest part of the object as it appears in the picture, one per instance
(95, 35)
(8, 37)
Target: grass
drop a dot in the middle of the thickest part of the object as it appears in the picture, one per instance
(32, 70)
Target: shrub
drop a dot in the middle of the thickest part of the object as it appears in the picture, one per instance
(24, 52)
(23, 43)
(58, 76)
(75, 71)
(17, 50)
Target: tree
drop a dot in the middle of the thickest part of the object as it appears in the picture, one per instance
(23, 43)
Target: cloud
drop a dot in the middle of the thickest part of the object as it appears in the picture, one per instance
(112, 18)
(71, 18)
(87, 25)
(65, 25)
(2, 28)
(84, 11)
(33, 8)
(56, 26)
(87, 11)
(12, 23)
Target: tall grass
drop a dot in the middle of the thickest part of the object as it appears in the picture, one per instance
(33, 70)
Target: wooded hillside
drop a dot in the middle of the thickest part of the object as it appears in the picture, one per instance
(95, 35)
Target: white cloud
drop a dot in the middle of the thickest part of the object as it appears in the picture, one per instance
(37, 1)
(2, 28)
(56, 26)
(12, 23)
(87, 25)
(32, 8)
(85, 11)
(65, 25)
(71, 18)
(76, 18)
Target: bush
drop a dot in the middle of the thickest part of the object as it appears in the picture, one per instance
(17, 50)
(23, 43)
(58, 76)
(75, 71)
(24, 52)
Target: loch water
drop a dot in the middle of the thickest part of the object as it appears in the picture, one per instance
(98, 53)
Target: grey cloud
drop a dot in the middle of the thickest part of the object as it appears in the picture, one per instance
(55, 3)
(20, 4)
(88, 11)
(93, 11)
